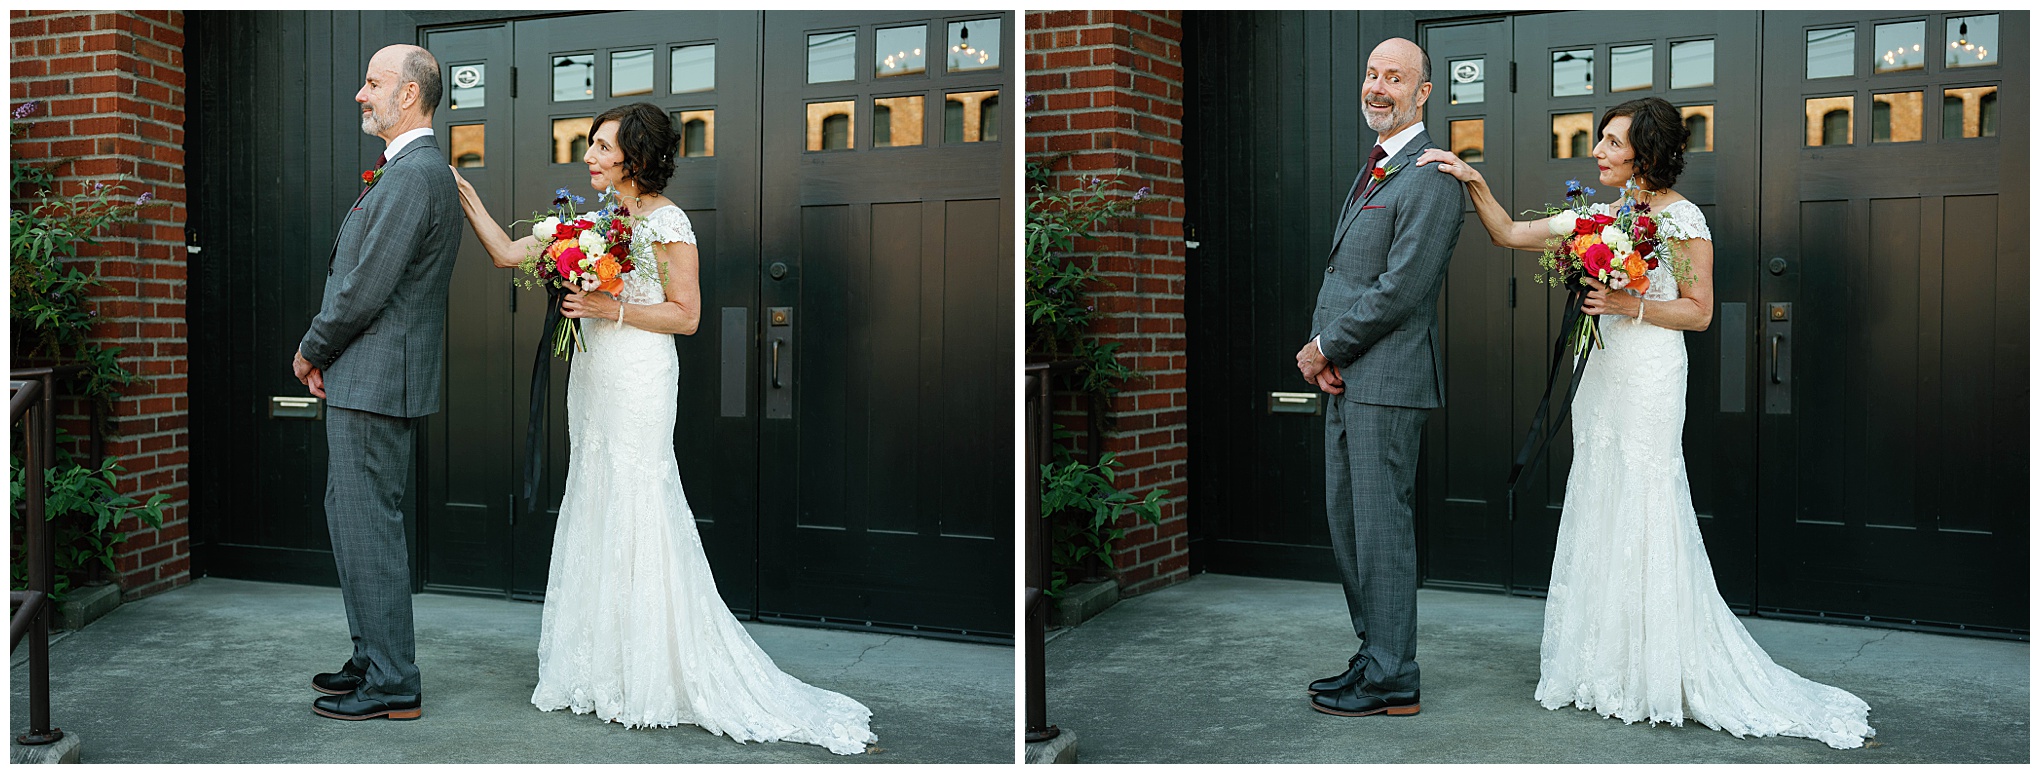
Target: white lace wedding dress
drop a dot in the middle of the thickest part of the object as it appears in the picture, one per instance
(633, 629)
(1634, 627)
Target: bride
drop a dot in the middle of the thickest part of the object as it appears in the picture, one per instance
(1634, 627)
(633, 629)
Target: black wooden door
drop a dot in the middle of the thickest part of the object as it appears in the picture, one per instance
(1570, 68)
(887, 272)
(1894, 317)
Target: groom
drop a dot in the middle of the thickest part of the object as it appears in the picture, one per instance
(1374, 349)
(374, 354)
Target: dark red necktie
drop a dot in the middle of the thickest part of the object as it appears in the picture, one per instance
(380, 160)
(1374, 158)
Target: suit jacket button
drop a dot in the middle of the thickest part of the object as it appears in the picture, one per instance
(1328, 269)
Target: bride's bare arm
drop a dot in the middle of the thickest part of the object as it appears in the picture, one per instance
(503, 252)
(679, 313)
(1502, 230)
(1693, 310)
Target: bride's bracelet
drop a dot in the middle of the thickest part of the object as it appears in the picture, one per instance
(620, 305)
(1639, 312)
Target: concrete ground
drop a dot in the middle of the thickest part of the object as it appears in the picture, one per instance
(220, 671)
(1212, 671)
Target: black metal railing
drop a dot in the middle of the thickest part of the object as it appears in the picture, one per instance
(33, 405)
(1038, 727)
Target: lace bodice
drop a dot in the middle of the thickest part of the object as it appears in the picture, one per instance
(1680, 220)
(665, 224)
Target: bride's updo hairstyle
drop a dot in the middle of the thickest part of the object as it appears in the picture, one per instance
(646, 137)
(1658, 135)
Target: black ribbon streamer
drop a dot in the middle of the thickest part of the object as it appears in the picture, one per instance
(1540, 435)
(541, 381)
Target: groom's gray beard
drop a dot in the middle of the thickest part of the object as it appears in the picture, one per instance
(380, 118)
(1399, 115)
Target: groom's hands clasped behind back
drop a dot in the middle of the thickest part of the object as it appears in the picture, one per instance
(1318, 370)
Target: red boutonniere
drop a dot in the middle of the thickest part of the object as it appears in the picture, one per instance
(370, 177)
(1380, 175)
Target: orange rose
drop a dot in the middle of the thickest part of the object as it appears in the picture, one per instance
(1638, 280)
(606, 270)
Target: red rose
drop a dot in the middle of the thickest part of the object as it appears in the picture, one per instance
(1652, 263)
(1644, 248)
(1603, 221)
(583, 224)
(1597, 259)
(368, 177)
(570, 261)
(619, 250)
(1645, 228)
(1380, 174)
(1585, 226)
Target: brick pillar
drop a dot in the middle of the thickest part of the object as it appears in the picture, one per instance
(110, 91)
(1106, 87)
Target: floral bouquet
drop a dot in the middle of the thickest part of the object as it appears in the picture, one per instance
(577, 252)
(1618, 250)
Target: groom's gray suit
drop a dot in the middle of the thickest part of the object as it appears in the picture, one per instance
(379, 339)
(1377, 319)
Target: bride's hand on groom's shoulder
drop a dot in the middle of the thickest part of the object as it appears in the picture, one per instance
(1448, 163)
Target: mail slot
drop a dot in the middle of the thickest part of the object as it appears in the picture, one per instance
(296, 407)
(1293, 403)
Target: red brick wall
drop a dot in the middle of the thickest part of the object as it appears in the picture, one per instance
(1106, 87)
(110, 88)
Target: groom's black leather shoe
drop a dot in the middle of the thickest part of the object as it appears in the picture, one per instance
(1355, 666)
(1352, 703)
(342, 682)
(368, 703)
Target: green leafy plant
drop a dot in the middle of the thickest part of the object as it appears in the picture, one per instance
(48, 294)
(1089, 504)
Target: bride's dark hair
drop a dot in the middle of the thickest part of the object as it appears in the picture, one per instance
(1658, 134)
(645, 135)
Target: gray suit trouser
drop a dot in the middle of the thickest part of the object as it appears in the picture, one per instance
(368, 462)
(1370, 501)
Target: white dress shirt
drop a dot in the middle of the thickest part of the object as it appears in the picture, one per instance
(404, 139)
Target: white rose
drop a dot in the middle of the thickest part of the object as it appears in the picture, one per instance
(1563, 223)
(592, 243)
(1617, 241)
(546, 230)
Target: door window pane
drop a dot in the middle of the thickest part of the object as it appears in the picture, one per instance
(897, 121)
(1572, 72)
(1469, 81)
(630, 73)
(570, 139)
(1901, 47)
(573, 77)
(693, 68)
(1699, 127)
(1469, 139)
(1572, 135)
(1972, 40)
(1692, 64)
(832, 56)
(1971, 112)
(1896, 117)
(971, 116)
(467, 145)
(973, 45)
(1828, 121)
(697, 132)
(466, 82)
(901, 51)
(1629, 68)
(829, 125)
(1831, 53)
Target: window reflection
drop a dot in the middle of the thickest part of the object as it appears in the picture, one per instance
(467, 145)
(1692, 64)
(1972, 40)
(1469, 139)
(971, 116)
(630, 73)
(466, 82)
(829, 126)
(1699, 127)
(1901, 47)
(1896, 117)
(1469, 81)
(697, 132)
(832, 56)
(897, 121)
(1572, 72)
(573, 77)
(693, 68)
(1572, 135)
(570, 139)
(973, 45)
(1831, 53)
(1971, 112)
(1629, 68)
(1828, 121)
(901, 51)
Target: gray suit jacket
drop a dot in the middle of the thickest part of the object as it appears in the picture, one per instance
(381, 330)
(1377, 313)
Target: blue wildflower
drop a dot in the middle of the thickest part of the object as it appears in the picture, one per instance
(146, 196)
(1590, 192)
(578, 199)
(1142, 193)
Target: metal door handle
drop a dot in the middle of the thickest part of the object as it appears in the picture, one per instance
(1775, 338)
(775, 365)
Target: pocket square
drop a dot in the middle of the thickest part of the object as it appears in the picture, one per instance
(1366, 207)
